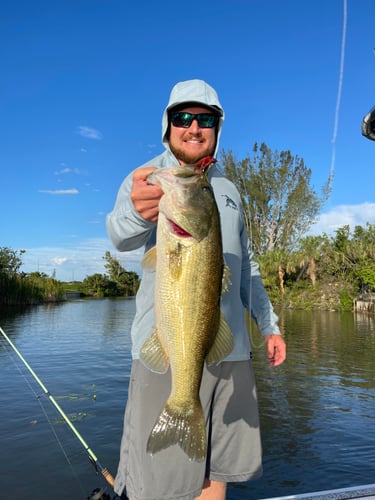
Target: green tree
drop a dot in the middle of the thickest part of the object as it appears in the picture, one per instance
(350, 257)
(99, 285)
(274, 266)
(310, 251)
(127, 282)
(10, 260)
(276, 195)
(113, 267)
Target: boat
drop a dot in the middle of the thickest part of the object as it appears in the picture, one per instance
(364, 492)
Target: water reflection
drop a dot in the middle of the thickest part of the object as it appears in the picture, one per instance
(317, 410)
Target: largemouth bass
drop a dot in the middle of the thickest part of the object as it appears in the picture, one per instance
(190, 277)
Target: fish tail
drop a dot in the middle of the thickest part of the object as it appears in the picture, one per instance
(185, 427)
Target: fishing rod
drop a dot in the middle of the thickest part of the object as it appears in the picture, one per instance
(92, 457)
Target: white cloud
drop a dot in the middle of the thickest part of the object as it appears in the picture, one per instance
(67, 170)
(76, 262)
(59, 260)
(89, 133)
(342, 215)
(63, 171)
(59, 191)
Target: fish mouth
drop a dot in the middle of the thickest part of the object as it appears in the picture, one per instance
(178, 230)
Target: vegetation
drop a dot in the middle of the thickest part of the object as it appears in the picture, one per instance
(34, 288)
(280, 206)
(323, 272)
(117, 283)
(21, 288)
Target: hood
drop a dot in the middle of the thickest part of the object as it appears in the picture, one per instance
(197, 92)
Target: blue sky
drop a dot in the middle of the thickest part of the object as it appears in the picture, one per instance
(84, 82)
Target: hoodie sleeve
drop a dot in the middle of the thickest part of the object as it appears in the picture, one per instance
(261, 307)
(126, 228)
(253, 293)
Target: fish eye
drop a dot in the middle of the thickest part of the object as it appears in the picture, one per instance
(208, 191)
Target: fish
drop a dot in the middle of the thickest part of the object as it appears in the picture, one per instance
(190, 277)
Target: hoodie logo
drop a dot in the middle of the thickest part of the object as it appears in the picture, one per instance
(229, 202)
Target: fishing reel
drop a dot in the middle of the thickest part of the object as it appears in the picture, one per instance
(99, 494)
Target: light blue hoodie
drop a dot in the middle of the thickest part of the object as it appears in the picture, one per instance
(128, 231)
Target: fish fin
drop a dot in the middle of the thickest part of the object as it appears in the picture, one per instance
(223, 344)
(183, 426)
(153, 354)
(226, 281)
(149, 260)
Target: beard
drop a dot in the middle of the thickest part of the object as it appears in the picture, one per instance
(188, 158)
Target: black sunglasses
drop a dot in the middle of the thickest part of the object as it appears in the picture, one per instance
(184, 119)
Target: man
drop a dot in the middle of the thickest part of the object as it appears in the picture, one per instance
(191, 128)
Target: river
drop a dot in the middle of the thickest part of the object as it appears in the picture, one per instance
(317, 409)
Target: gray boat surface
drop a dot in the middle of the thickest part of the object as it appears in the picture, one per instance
(365, 492)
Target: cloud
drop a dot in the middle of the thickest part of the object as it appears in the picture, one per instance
(89, 133)
(342, 215)
(68, 170)
(59, 191)
(59, 260)
(75, 262)
(63, 171)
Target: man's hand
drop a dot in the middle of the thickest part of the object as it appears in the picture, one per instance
(276, 349)
(145, 197)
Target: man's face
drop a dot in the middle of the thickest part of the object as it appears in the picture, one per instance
(193, 143)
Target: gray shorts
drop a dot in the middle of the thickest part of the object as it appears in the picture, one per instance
(228, 397)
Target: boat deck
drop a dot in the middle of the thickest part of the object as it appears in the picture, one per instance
(364, 492)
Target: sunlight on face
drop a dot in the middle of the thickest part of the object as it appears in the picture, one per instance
(191, 144)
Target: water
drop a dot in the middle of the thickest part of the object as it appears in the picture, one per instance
(317, 410)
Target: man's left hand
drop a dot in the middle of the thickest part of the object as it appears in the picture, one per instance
(276, 349)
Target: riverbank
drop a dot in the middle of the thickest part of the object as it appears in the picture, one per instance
(324, 296)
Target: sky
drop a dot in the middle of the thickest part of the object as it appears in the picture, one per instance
(84, 83)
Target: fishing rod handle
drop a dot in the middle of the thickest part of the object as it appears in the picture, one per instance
(108, 476)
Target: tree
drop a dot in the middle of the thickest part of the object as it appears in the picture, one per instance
(279, 203)
(99, 285)
(126, 282)
(275, 264)
(310, 251)
(10, 260)
(113, 267)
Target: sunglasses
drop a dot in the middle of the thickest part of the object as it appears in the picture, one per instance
(184, 119)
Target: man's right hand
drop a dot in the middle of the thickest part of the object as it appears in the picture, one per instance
(145, 197)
